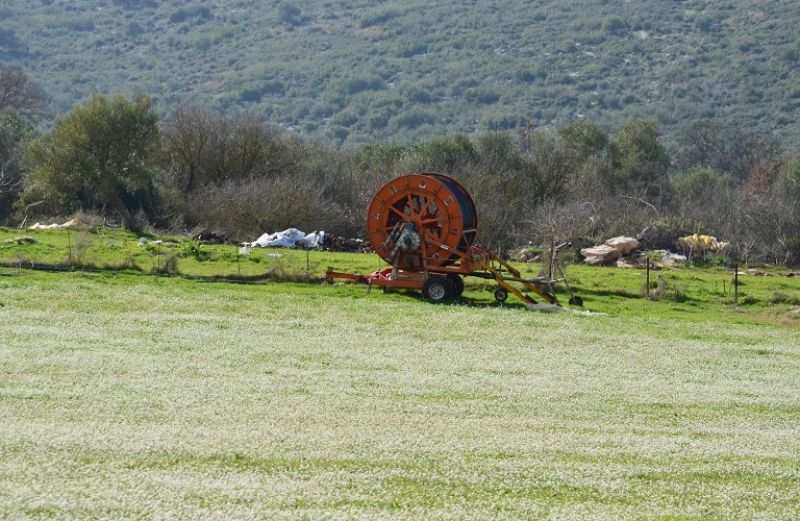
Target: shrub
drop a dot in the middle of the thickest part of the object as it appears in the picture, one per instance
(615, 26)
(747, 300)
(168, 265)
(666, 290)
(483, 96)
(289, 14)
(782, 298)
(361, 83)
(187, 13)
(413, 119)
(377, 18)
(244, 209)
(196, 251)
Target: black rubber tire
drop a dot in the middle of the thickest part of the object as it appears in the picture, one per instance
(437, 290)
(575, 300)
(469, 215)
(457, 283)
(500, 294)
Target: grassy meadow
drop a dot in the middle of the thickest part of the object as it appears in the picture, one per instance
(130, 395)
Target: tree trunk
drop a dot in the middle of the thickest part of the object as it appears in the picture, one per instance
(119, 205)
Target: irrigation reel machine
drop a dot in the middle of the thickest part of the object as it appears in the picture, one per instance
(424, 225)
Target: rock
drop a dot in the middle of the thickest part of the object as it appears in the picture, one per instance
(627, 263)
(795, 311)
(794, 274)
(667, 258)
(757, 273)
(142, 241)
(623, 244)
(637, 262)
(25, 239)
(602, 254)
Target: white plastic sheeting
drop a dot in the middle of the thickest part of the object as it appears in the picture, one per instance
(289, 238)
(69, 224)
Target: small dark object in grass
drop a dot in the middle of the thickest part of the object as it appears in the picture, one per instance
(207, 236)
(25, 239)
(747, 300)
(342, 244)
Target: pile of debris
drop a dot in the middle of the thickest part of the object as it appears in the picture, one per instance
(289, 238)
(209, 237)
(342, 244)
(526, 254)
(625, 252)
(69, 224)
(294, 238)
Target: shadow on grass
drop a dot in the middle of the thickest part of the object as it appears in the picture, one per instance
(274, 275)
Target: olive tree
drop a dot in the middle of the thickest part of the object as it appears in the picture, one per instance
(15, 131)
(18, 92)
(99, 155)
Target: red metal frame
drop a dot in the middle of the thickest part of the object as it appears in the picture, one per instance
(444, 219)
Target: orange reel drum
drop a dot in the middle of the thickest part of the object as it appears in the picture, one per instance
(421, 217)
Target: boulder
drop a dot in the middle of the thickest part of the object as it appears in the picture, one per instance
(602, 254)
(623, 244)
(667, 258)
(627, 263)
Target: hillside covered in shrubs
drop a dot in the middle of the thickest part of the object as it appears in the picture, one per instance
(407, 71)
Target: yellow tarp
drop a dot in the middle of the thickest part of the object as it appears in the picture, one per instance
(699, 242)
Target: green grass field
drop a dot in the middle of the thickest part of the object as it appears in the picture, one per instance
(126, 395)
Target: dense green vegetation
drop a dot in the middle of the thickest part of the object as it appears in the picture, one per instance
(114, 159)
(366, 70)
(130, 397)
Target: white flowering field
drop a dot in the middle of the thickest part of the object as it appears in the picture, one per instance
(133, 397)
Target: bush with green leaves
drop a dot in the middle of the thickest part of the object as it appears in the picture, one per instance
(103, 153)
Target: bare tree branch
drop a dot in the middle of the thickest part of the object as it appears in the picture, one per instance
(18, 92)
(643, 202)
